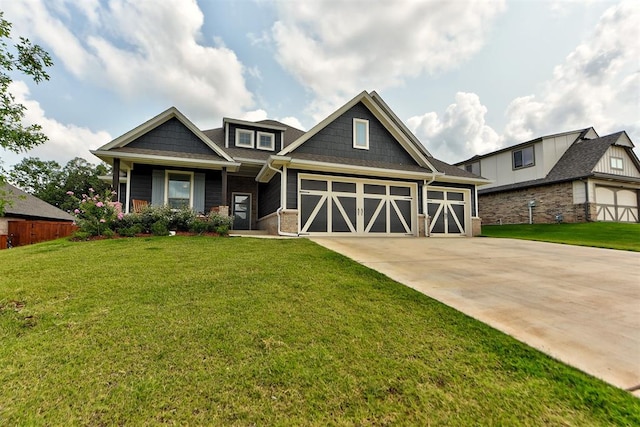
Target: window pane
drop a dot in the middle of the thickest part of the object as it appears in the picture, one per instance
(266, 141)
(527, 156)
(361, 134)
(179, 190)
(517, 159)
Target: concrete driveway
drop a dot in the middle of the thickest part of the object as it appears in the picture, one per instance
(579, 305)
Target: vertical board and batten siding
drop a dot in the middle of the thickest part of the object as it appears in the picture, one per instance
(255, 130)
(628, 167)
(499, 167)
(172, 136)
(553, 148)
(336, 140)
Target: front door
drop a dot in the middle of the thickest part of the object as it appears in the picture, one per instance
(241, 211)
(448, 211)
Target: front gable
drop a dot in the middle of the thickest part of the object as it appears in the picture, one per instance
(172, 136)
(336, 139)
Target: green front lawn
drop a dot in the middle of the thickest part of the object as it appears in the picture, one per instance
(611, 235)
(240, 331)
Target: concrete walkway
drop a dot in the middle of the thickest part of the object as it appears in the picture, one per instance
(579, 305)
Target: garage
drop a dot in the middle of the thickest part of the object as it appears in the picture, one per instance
(448, 211)
(616, 204)
(340, 205)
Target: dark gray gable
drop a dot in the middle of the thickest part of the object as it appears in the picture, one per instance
(336, 140)
(173, 136)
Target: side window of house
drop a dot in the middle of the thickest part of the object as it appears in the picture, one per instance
(361, 134)
(473, 168)
(523, 158)
(266, 141)
(616, 163)
(244, 138)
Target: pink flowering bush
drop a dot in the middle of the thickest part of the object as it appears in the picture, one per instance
(97, 214)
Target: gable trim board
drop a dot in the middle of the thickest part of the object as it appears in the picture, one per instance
(395, 162)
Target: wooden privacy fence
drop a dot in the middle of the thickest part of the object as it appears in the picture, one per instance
(29, 232)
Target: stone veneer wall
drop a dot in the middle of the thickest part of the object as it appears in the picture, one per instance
(512, 207)
(476, 226)
(288, 222)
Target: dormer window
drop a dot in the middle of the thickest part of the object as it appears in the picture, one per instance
(523, 158)
(361, 134)
(244, 138)
(473, 168)
(266, 141)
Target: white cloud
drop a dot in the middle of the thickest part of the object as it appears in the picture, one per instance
(356, 46)
(597, 85)
(457, 132)
(141, 49)
(66, 141)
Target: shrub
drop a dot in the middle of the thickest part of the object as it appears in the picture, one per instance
(199, 225)
(160, 228)
(130, 231)
(96, 214)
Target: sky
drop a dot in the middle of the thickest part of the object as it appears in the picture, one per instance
(466, 77)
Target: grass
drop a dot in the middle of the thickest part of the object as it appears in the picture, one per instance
(610, 235)
(240, 331)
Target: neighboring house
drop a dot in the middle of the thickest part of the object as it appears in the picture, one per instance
(28, 219)
(573, 177)
(360, 171)
(23, 206)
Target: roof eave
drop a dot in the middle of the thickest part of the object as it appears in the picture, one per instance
(108, 156)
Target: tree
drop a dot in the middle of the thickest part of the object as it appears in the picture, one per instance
(32, 61)
(50, 182)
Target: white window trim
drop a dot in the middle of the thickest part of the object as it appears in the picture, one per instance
(611, 163)
(250, 132)
(166, 185)
(273, 141)
(366, 137)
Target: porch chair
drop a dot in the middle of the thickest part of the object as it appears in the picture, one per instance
(139, 205)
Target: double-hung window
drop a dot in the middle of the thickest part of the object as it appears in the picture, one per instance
(244, 138)
(361, 134)
(266, 141)
(179, 193)
(523, 157)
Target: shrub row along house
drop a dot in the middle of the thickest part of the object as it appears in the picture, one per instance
(360, 171)
(574, 176)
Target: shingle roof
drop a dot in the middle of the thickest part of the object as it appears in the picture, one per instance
(450, 169)
(24, 205)
(177, 154)
(577, 162)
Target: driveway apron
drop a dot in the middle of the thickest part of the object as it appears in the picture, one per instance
(577, 304)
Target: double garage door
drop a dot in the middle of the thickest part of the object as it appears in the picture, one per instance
(616, 204)
(330, 205)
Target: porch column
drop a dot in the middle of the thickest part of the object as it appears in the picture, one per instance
(116, 178)
(224, 187)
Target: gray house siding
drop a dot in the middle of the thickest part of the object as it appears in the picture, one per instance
(210, 193)
(336, 139)
(255, 130)
(172, 136)
(269, 200)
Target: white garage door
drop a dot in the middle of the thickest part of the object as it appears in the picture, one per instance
(329, 205)
(448, 210)
(616, 204)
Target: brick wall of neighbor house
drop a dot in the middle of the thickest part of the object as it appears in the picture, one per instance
(512, 207)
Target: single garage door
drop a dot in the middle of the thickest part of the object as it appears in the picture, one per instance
(448, 210)
(616, 204)
(330, 205)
